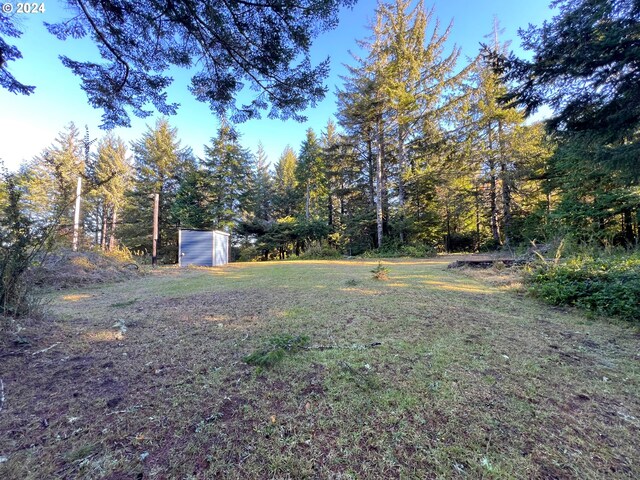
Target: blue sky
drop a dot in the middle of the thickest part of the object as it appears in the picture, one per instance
(30, 123)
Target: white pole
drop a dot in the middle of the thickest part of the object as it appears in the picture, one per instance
(76, 217)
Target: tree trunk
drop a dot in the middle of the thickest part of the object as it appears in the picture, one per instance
(477, 195)
(103, 239)
(97, 230)
(308, 201)
(448, 239)
(506, 188)
(401, 166)
(628, 227)
(379, 177)
(493, 203)
(372, 172)
(506, 203)
(495, 229)
(112, 237)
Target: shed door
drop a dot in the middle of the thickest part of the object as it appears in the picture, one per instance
(196, 248)
(222, 248)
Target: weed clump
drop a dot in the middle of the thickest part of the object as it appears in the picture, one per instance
(275, 350)
(380, 272)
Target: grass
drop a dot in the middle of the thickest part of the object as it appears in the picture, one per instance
(430, 374)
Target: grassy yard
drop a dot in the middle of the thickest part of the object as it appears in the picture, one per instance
(431, 374)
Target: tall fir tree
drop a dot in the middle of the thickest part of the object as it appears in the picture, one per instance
(286, 194)
(263, 187)
(230, 178)
(311, 176)
(113, 176)
(160, 163)
(51, 179)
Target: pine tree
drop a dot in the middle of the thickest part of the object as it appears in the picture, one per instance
(415, 80)
(112, 172)
(263, 188)
(160, 163)
(501, 147)
(230, 178)
(310, 174)
(286, 194)
(51, 180)
(395, 106)
(193, 200)
(226, 45)
(586, 66)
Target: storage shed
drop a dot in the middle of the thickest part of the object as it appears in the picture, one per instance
(204, 248)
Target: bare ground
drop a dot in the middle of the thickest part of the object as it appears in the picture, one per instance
(466, 378)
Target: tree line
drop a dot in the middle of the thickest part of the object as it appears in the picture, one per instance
(424, 155)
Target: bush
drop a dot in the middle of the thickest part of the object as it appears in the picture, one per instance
(21, 242)
(395, 251)
(608, 285)
(120, 254)
(248, 254)
(380, 272)
(317, 251)
(460, 242)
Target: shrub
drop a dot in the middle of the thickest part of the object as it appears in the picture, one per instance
(418, 251)
(394, 251)
(248, 254)
(317, 251)
(120, 254)
(275, 350)
(21, 242)
(380, 272)
(606, 285)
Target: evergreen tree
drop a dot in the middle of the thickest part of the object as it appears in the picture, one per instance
(112, 175)
(503, 149)
(586, 66)
(595, 205)
(230, 179)
(192, 205)
(51, 180)
(263, 188)
(417, 82)
(395, 106)
(310, 174)
(160, 164)
(286, 195)
(331, 161)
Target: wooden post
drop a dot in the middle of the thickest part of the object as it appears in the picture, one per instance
(156, 208)
(76, 217)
